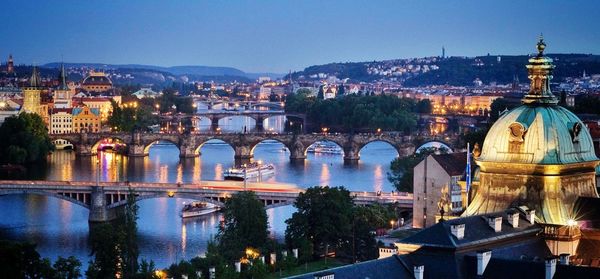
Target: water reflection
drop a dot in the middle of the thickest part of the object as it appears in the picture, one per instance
(61, 229)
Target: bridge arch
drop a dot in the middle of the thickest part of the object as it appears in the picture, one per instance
(63, 144)
(110, 140)
(324, 140)
(213, 140)
(218, 202)
(161, 141)
(434, 143)
(388, 142)
(255, 145)
(45, 193)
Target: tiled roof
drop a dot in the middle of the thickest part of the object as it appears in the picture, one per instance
(390, 267)
(477, 232)
(453, 163)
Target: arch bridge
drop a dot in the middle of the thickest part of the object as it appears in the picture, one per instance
(243, 144)
(104, 199)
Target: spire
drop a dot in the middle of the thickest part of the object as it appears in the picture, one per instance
(62, 78)
(35, 80)
(540, 73)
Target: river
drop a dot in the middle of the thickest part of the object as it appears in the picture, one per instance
(60, 228)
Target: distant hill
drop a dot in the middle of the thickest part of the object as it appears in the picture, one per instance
(452, 71)
(200, 72)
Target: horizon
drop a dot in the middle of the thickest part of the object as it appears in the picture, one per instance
(276, 37)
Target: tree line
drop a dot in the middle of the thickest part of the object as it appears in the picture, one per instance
(358, 113)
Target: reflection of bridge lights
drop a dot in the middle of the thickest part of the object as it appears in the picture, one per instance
(171, 194)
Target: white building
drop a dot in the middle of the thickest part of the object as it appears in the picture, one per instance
(61, 121)
(146, 93)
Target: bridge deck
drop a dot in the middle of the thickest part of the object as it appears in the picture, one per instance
(221, 188)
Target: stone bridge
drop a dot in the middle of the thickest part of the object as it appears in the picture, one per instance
(258, 116)
(86, 144)
(104, 199)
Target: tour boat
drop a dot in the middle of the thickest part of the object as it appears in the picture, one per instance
(197, 208)
(324, 148)
(250, 171)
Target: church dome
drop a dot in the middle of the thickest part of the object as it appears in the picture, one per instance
(539, 131)
(538, 134)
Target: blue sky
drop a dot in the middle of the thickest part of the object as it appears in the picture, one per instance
(279, 35)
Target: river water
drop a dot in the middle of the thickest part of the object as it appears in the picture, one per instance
(60, 228)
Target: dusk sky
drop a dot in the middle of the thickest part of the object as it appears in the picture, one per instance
(277, 36)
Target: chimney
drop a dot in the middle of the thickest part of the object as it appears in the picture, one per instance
(458, 231)
(418, 271)
(564, 258)
(238, 266)
(495, 223)
(531, 216)
(513, 219)
(483, 258)
(550, 267)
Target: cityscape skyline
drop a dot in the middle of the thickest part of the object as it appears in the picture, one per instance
(282, 36)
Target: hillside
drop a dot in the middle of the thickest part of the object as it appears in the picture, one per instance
(451, 71)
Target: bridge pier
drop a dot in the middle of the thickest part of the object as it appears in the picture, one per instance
(260, 124)
(243, 152)
(137, 150)
(214, 124)
(351, 154)
(98, 211)
(187, 151)
(84, 150)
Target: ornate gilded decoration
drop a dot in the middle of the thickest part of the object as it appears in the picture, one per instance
(517, 132)
(538, 155)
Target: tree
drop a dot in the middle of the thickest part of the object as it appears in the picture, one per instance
(245, 225)
(321, 93)
(498, 106)
(323, 219)
(423, 106)
(67, 268)
(130, 250)
(24, 139)
(341, 90)
(21, 260)
(104, 242)
(402, 169)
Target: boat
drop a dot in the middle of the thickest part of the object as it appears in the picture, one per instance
(255, 170)
(197, 208)
(324, 148)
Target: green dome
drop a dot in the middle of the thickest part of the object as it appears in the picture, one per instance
(538, 134)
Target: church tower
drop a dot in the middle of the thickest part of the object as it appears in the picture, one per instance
(63, 94)
(538, 155)
(10, 67)
(32, 94)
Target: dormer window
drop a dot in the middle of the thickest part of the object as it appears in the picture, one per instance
(517, 132)
(575, 131)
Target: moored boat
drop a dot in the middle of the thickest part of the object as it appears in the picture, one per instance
(196, 208)
(255, 170)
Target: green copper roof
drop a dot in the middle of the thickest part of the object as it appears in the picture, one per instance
(35, 80)
(62, 78)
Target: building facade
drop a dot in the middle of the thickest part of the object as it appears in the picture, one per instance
(86, 120)
(435, 186)
(61, 121)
